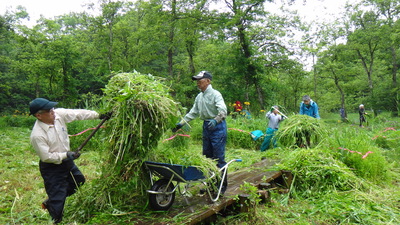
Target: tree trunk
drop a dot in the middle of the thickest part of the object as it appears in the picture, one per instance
(395, 96)
(171, 39)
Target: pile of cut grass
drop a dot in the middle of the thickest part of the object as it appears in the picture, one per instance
(300, 126)
(142, 111)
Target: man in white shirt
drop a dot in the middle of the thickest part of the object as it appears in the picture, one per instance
(50, 140)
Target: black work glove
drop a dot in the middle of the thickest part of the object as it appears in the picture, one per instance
(73, 155)
(178, 126)
(106, 115)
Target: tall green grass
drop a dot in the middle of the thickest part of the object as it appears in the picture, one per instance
(331, 186)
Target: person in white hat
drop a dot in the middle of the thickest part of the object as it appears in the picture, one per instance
(361, 112)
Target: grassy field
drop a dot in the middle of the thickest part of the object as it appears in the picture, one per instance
(333, 184)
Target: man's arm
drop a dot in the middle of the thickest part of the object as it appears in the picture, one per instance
(221, 107)
(316, 111)
(42, 150)
(70, 115)
(301, 109)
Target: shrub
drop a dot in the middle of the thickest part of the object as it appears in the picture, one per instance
(354, 147)
(17, 121)
(316, 172)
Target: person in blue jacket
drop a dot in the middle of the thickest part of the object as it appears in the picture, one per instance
(310, 108)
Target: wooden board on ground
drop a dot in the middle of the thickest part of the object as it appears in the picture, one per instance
(200, 208)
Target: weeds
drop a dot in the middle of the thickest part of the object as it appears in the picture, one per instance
(332, 185)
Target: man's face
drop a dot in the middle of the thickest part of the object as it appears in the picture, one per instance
(307, 102)
(203, 84)
(46, 116)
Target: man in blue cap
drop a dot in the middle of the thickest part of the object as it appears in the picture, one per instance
(50, 140)
(210, 107)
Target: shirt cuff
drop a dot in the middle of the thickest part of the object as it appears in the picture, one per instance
(63, 155)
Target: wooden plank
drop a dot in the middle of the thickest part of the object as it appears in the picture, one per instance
(202, 209)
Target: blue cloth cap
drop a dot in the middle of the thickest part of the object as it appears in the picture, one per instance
(39, 104)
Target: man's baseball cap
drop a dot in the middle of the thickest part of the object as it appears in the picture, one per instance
(202, 75)
(39, 104)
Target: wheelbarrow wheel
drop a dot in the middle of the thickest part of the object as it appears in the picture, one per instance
(162, 201)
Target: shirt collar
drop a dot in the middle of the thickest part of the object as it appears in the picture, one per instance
(44, 126)
(208, 89)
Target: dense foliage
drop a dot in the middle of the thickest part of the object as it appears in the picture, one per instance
(251, 51)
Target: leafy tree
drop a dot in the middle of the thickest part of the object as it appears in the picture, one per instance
(389, 13)
(337, 64)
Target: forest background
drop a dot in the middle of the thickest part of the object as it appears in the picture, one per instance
(253, 53)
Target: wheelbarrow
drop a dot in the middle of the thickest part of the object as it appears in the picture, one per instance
(162, 192)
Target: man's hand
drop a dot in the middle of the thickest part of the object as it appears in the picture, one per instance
(106, 115)
(211, 124)
(178, 126)
(73, 155)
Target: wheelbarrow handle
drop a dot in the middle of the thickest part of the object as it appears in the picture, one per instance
(90, 136)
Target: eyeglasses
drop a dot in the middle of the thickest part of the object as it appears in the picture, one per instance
(46, 110)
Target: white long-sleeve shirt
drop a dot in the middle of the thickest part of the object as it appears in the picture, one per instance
(274, 120)
(51, 142)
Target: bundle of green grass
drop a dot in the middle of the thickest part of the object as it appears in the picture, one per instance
(317, 171)
(298, 127)
(142, 111)
(143, 115)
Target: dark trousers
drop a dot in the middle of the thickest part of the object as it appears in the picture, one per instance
(362, 119)
(60, 181)
(214, 142)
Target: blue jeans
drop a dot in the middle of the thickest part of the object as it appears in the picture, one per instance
(214, 142)
(267, 139)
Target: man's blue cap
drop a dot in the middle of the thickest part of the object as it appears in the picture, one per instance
(39, 104)
(202, 75)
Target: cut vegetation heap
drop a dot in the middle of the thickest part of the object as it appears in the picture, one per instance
(143, 111)
(300, 126)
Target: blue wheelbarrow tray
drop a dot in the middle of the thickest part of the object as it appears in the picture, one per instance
(178, 172)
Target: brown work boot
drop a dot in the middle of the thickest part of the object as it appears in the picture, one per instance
(44, 204)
